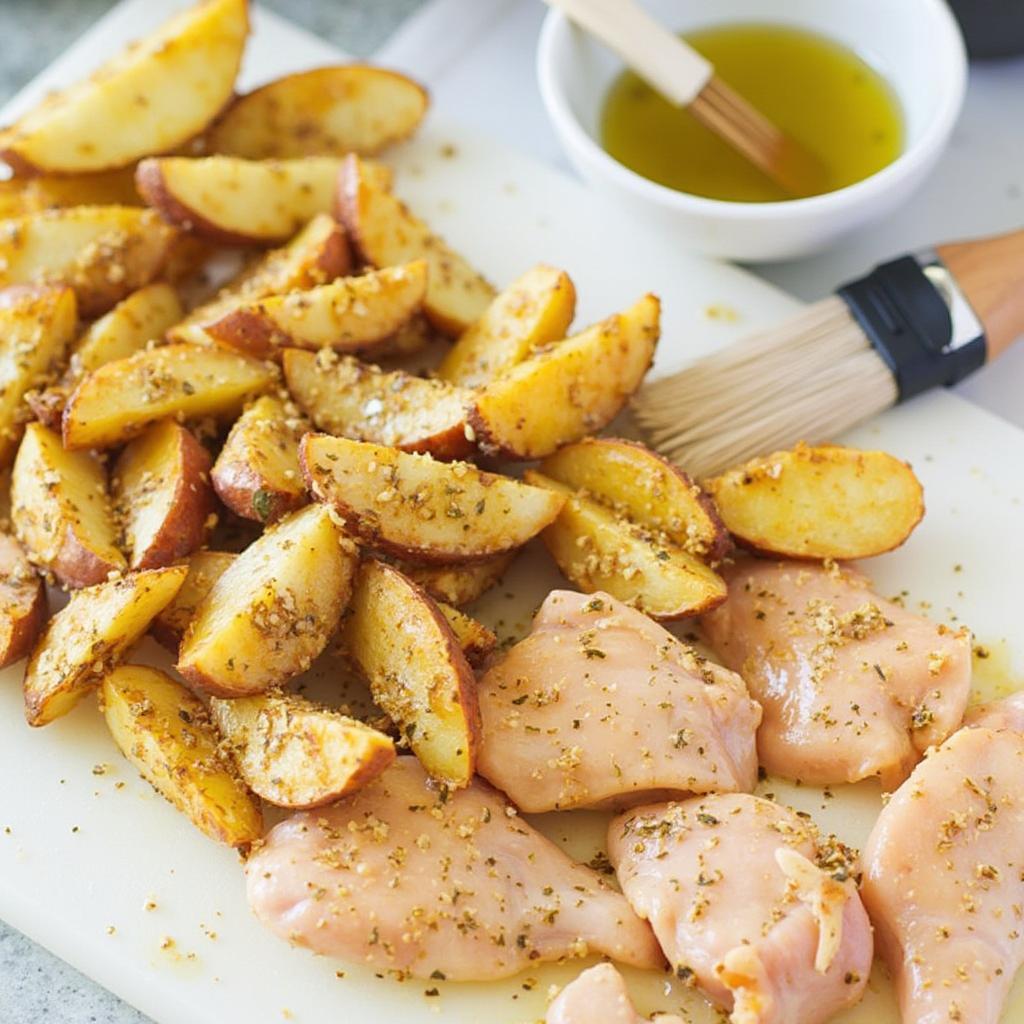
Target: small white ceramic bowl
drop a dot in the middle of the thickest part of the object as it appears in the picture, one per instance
(915, 44)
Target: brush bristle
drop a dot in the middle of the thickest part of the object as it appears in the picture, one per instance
(809, 379)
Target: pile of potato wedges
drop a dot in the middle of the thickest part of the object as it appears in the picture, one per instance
(142, 412)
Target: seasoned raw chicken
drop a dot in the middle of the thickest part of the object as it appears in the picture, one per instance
(1007, 713)
(598, 996)
(852, 685)
(748, 903)
(405, 877)
(601, 706)
(944, 879)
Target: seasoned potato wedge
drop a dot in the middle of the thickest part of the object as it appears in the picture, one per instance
(475, 639)
(645, 488)
(534, 310)
(129, 326)
(296, 754)
(317, 254)
(350, 108)
(598, 550)
(349, 315)
(274, 609)
(22, 602)
(167, 734)
(386, 233)
(101, 188)
(163, 500)
(415, 507)
(459, 584)
(36, 326)
(235, 201)
(154, 95)
(61, 512)
(343, 396)
(820, 502)
(102, 252)
(119, 400)
(401, 642)
(87, 637)
(257, 473)
(569, 390)
(204, 569)
(142, 317)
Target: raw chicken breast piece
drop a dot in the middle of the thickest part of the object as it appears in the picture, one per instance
(598, 996)
(407, 877)
(944, 879)
(1006, 713)
(601, 706)
(749, 904)
(852, 685)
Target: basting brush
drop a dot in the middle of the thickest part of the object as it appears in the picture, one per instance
(912, 324)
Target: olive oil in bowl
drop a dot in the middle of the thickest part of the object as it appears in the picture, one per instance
(814, 89)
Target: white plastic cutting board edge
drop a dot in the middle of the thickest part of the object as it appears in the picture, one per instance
(100, 870)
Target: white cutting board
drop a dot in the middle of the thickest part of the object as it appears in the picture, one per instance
(100, 870)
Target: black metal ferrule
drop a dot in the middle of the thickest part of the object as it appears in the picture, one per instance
(913, 325)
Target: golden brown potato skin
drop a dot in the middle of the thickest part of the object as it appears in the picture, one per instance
(166, 470)
(89, 636)
(821, 501)
(273, 610)
(403, 645)
(61, 512)
(22, 602)
(294, 753)
(167, 734)
(257, 473)
(204, 569)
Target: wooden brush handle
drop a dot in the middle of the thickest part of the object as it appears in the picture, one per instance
(662, 59)
(990, 272)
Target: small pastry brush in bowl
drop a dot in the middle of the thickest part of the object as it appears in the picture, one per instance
(684, 78)
(912, 324)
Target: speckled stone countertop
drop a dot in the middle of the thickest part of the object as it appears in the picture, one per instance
(34, 985)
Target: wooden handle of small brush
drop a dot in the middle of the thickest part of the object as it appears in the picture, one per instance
(990, 271)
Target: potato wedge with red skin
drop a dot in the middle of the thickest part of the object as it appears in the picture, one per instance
(644, 487)
(102, 252)
(348, 108)
(458, 584)
(257, 473)
(61, 511)
(317, 254)
(475, 639)
(162, 495)
(598, 550)
(238, 202)
(386, 233)
(351, 314)
(296, 754)
(135, 321)
(273, 610)
(204, 569)
(568, 390)
(87, 637)
(535, 310)
(414, 507)
(22, 602)
(118, 401)
(151, 97)
(344, 396)
(402, 644)
(820, 502)
(37, 325)
(166, 733)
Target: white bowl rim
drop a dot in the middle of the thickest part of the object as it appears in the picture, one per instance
(953, 55)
